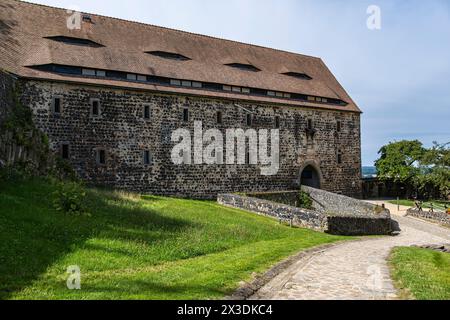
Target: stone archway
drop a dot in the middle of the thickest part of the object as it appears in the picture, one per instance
(311, 176)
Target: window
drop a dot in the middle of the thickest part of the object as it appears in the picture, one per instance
(100, 156)
(131, 76)
(338, 126)
(88, 72)
(186, 83)
(219, 117)
(185, 114)
(141, 78)
(277, 122)
(196, 84)
(339, 157)
(169, 55)
(246, 90)
(310, 124)
(271, 93)
(147, 158)
(236, 89)
(101, 73)
(146, 112)
(298, 75)
(249, 119)
(227, 88)
(95, 107)
(65, 151)
(75, 41)
(56, 105)
(174, 82)
(243, 66)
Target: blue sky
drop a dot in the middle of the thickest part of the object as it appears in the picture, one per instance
(399, 75)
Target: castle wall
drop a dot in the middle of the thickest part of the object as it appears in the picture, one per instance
(123, 132)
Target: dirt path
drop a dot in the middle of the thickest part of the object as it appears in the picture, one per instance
(355, 270)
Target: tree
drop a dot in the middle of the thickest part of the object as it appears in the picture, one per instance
(399, 161)
(409, 163)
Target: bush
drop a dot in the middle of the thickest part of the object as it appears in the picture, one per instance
(304, 200)
(69, 198)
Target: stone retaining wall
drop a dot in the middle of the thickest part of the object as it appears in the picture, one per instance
(372, 223)
(437, 216)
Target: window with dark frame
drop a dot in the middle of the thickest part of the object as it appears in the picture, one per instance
(65, 153)
(338, 126)
(101, 156)
(249, 119)
(146, 112)
(219, 117)
(310, 124)
(277, 122)
(339, 157)
(56, 105)
(95, 107)
(185, 114)
(147, 158)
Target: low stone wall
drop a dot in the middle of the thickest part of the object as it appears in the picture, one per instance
(300, 217)
(375, 222)
(338, 205)
(437, 216)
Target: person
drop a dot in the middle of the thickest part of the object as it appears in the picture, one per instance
(431, 208)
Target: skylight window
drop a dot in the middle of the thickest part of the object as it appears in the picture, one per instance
(298, 75)
(75, 41)
(169, 55)
(245, 67)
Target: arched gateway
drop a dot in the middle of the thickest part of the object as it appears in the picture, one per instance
(311, 176)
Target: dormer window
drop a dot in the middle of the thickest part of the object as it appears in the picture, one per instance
(298, 75)
(87, 18)
(75, 41)
(243, 66)
(169, 55)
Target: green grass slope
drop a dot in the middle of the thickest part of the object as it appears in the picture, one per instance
(134, 247)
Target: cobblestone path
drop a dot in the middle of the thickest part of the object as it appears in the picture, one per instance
(353, 270)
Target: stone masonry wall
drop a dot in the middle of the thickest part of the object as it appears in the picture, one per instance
(348, 224)
(122, 130)
(437, 216)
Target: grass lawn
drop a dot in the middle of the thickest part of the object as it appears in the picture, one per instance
(424, 274)
(438, 205)
(134, 247)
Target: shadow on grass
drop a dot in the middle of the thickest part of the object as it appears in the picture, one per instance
(33, 236)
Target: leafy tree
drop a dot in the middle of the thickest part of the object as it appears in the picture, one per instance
(399, 161)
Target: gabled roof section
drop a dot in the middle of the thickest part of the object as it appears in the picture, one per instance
(25, 27)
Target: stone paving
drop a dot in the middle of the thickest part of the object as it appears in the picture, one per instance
(354, 270)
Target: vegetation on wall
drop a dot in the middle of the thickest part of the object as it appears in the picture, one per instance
(424, 170)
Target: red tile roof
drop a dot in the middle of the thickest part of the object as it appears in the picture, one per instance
(24, 29)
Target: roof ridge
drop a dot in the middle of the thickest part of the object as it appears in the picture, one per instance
(176, 30)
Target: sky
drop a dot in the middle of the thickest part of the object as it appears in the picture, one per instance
(398, 75)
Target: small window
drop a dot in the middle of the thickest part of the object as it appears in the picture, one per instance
(271, 93)
(186, 83)
(88, 72)
(101, 73)
(174, 82)
(197, 84)
(339, 157)
(65, 151)
(338, 126)
(185, 114)
(277, 122)
(141, 78)
(131, 76)
(147, 158)
(236, 89)
(95, 107)
(56, 105)
(249, 119)
(146, 112)
(246, 90)
(310, 124)
(227, 88)
(101, 156)
(219, 117)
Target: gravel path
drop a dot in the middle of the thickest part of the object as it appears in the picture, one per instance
(353, 270)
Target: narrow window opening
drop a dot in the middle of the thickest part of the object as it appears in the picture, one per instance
(65, 151)
(57, 105)
(277, 122)
(95, 107)
(338, 126)
(339, 157)
(310, 124)
(219, 117)
(185, 114)
(101, 156)
(249, 119)
(147, 158)
(146, 112)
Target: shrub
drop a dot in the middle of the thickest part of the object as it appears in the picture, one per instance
(69, 198)
(304, 200)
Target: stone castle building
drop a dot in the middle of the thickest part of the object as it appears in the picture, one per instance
(109, 93)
